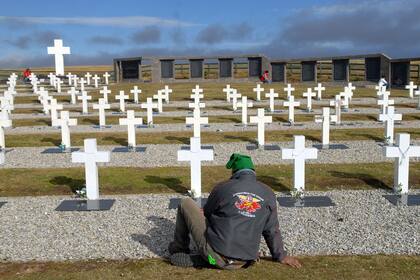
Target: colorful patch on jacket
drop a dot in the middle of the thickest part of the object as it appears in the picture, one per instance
(248, 203)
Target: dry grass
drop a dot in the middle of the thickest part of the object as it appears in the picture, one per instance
(131, 180)
(376, 267)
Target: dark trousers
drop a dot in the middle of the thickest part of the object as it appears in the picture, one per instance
(191, 220)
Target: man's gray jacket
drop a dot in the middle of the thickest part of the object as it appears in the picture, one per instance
(238, 212)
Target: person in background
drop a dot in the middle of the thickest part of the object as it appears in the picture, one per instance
(26, 75)
(265, 78)
(383, 82)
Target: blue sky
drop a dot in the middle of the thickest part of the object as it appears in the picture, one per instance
(98, 31)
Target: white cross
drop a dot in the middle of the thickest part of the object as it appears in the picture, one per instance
(289, 89)
(299, 154)
(135, 91)
(325, 120)
(197, 93)
(337, 102)
(351, 87)
(84, 97)
(195, 156)
(105, 92)
(75, 81)
(291, 104)
(4, 122)
(101, 106)
(402, 151)
(64, 122)
(9, 95)
(411, 87)
(82, 84)
(417, 93)
(196, 121)
(235, 95)
(244, 104)
(88, 76)
(261, 120)
(5, 105)
(106, 76)
(131, 121)
(159, 97)
(58, 51)
(90, 157)
(73, 92)
(258, 90)
(347, 95)
(271, 95)
(385, 102)
(51, 77)
(167, 91)
(227, 90)
(58, 83)
(390, 117)
(319, 89)
(69, 78)
(380, 89)
(309, 94)
(53, 106)
(196, 104)
(96, 79)
(149, 106)
(122, 97)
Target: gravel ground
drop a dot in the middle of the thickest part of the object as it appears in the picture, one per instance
(141, 226)
(166, 155)
(212, 127)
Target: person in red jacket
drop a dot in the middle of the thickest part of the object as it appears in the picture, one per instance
(265, 78)
(26, 74)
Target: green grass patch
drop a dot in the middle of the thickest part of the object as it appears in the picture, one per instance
(132, 180)
(373, 267)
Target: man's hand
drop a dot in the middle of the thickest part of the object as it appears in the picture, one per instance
(293, 262)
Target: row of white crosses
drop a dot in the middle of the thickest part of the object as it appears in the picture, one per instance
(196, 120)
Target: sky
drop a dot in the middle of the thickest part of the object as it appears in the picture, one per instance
(98, 31)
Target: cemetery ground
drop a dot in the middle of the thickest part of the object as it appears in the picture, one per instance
(139, 226)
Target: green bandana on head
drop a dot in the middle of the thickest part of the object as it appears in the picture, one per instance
(238, 162)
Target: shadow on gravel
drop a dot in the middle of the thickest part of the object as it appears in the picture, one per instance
(73, 184)
(118, 140)
(368, 136)
(368, 179)
(173, 183)
(183, 140)
(55, 142)
(157, 238)
(273, 183)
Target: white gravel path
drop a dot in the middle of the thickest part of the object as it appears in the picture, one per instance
(141, 226)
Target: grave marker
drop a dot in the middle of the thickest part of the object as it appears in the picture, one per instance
(90, 157)
(104, 91)
(197, 121)
(195, 156)
(84, 97)
(53, 107)
(261, 120)
(271, 95)
(88, 76)
(135, 91)
(96, 79)
(319, 89)
(4, 122)
(227, 90)
(309, 94)
(131, 121)
(402, 152)
(122, 97)
(235, 95)
(106, 76)
(299, 154)
(64, 122)
(166, 92)
(289, 89)
(159, 97)
(390, 117)
(244, 104)
(101, 106)
(149, 106)
(291, 104)
(73, 93)
(411, 87)
(258, 90)
(58, 51)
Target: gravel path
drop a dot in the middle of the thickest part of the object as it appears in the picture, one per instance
(166, 155)
(141, 226)
(212, 127)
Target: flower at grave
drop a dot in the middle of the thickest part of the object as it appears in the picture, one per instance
(81, 193)
(297, 193)
(398, 189)
(62, 147)
(387, 140)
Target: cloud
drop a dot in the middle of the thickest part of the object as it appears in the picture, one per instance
(129, 21)
(355, 27)
(45, 37)
(105, 40)
(22, 42)
(37, 38)
(178, 36)
(147, 35)
(217, 33)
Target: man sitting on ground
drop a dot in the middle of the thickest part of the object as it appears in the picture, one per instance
(265, 78)
(228, 232)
